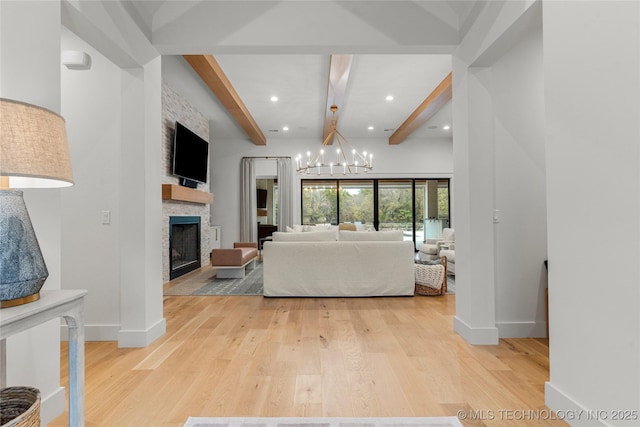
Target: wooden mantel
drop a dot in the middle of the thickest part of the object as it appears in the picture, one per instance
(185, 194)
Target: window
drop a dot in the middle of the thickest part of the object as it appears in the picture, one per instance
(319, 202)
(356, 202)
(418, 207)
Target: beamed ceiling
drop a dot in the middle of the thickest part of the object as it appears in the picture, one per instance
(313, 54)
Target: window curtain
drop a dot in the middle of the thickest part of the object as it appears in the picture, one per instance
(248, 203)
(285, 194)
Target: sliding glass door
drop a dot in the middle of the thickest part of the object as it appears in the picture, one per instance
(319, 202)
(356, 202)
(432, 207)
(395, 206)
(418, 207)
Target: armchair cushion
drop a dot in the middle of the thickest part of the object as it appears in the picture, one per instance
(449, 253)
(428, 248)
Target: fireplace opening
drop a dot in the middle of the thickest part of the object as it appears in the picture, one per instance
(184, 245)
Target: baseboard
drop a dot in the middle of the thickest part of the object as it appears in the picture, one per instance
(52, 406)
(571, 411)
(522, 329)
(94, 332)
(131, 338)
(475, 336)
(113, 333)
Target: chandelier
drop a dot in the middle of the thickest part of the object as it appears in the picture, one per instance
(346, 160)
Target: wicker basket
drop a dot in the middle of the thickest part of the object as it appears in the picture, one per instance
(20, 407)
(431, 279)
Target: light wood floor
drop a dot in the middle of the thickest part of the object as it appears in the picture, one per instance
(255, 356)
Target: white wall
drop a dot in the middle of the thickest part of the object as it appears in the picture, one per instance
(141, 206)
(30, 72)
(115, 153)
(94, 130)
(492, 152)
(520, 189)
(592, 103)
(411, 159)
(115, 123)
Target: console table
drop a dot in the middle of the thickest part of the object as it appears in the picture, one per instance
(69, 305)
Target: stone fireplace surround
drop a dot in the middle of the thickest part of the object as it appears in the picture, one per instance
(176, 108)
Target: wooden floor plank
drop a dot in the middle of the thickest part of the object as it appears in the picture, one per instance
(255, 356)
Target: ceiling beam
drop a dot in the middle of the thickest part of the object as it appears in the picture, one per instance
(339, 69)
(429, 107)
(212, 75)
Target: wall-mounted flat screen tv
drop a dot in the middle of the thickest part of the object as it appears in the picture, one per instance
(190, 155)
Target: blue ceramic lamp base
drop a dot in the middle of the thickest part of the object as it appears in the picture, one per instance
(22, 267)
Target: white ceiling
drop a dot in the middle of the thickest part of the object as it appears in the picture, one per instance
(285, 57)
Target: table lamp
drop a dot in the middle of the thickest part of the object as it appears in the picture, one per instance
(33, 154)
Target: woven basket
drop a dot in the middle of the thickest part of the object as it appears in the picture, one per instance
(20, 407)
(431, 279)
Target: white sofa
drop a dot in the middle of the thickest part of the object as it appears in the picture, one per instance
(338, 264)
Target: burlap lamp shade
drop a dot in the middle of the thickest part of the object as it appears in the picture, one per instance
(33, 154)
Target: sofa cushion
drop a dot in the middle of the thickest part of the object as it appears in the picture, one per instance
(371, 236)
(321, 227)
(347, 226)
(310, 228)
(449, 253)
(308, 236)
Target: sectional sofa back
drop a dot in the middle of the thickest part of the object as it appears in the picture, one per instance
(339, 235)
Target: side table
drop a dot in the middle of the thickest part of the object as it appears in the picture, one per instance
(68, 304)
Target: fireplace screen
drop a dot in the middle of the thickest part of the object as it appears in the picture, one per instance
(184, 244)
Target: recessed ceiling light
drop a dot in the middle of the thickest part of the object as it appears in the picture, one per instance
(446, 127)
(370, 128)
(285, 128)
(274, 99)
(389, 98)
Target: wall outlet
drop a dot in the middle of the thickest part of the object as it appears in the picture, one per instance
(106, 217)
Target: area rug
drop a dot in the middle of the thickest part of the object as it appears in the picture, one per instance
(451, 284)
(324, 422)
(250, 284)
